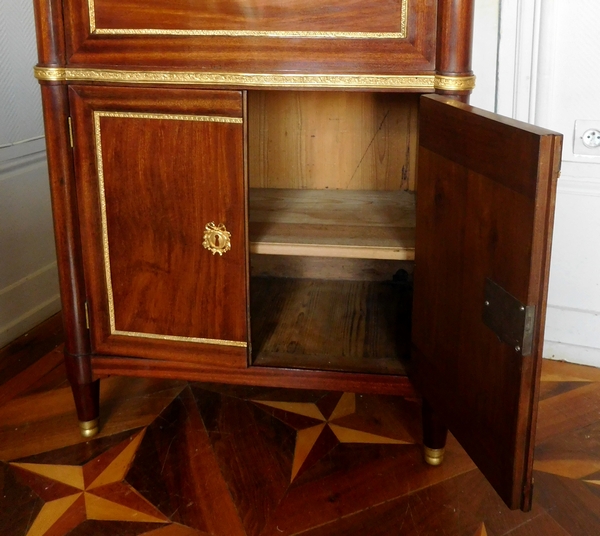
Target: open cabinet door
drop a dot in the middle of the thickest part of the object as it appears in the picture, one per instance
(485, 204)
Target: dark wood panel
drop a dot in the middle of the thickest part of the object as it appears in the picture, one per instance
(172, 100)
(255, 376)
(354, 326)
(216, 355)
(260, 15)
(454, 36)
(476, 220)
(50, 32)
(415, 54)
(486, 140)
(155, 172)
(326, 267)
(55, 102)
(157, 203)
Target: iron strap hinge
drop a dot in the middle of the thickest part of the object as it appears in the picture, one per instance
(87, 315)
(512, 321)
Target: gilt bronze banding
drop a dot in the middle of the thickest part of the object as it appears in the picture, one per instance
(285, 34)
(454, 83)
(97, 116)
(419, 82)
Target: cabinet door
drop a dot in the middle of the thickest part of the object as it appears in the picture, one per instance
(155, 167)
(485, 203)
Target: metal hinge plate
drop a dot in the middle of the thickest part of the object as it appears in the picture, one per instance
(69, 120)
(87, 315)
(508, 318)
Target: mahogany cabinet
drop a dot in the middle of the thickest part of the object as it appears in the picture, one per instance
(241, 190)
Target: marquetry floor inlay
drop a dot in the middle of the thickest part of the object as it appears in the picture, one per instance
(174, 459)
(95, 490)
(322, 430)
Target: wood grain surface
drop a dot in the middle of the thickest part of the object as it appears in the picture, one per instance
(256, 15)
(353, 326)
(174, 459)
(332, 223)
(333, 140)
(484, 211)
(262, 54)
(150, 185)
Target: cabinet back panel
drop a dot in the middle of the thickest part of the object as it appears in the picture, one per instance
(332, 140)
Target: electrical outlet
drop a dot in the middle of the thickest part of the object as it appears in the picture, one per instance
(591, 138)
(586, 140)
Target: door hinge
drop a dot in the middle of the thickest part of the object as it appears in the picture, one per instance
(70, 131)
(87, 315)
(508, 318)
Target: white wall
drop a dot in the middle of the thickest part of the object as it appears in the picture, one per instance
(548, 74)
(486, 29)
(572, 74)
(28, 276)
(546, 70)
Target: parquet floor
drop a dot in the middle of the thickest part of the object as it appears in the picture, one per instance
(177, 459)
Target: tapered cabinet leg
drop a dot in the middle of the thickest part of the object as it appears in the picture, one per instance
(86, 392)
(63, 190)
(434, 436)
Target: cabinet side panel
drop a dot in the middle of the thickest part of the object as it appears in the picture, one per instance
(66, 220)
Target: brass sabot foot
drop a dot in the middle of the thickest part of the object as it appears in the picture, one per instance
(433, 456)
(88, 428)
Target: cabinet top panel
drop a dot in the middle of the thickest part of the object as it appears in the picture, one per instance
(356, 38)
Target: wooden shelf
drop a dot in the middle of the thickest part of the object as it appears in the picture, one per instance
(333, 223)
(357, 326)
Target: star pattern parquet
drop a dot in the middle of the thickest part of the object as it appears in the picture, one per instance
(97, 490)
(176, 459)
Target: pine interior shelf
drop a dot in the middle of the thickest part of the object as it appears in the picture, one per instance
(333, 223)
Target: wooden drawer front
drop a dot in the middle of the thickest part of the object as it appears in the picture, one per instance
(155, 167)
(259, 36)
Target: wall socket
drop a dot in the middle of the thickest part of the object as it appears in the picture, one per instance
(586, 139)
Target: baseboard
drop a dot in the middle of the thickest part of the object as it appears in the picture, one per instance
(27, 302)
(572, 353)
(573, 335)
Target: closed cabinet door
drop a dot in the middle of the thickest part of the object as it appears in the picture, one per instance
(161, 194)
(485, 209)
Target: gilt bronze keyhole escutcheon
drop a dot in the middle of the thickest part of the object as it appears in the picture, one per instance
(216, 238)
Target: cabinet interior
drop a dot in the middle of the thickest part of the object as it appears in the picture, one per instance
(332, 179)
